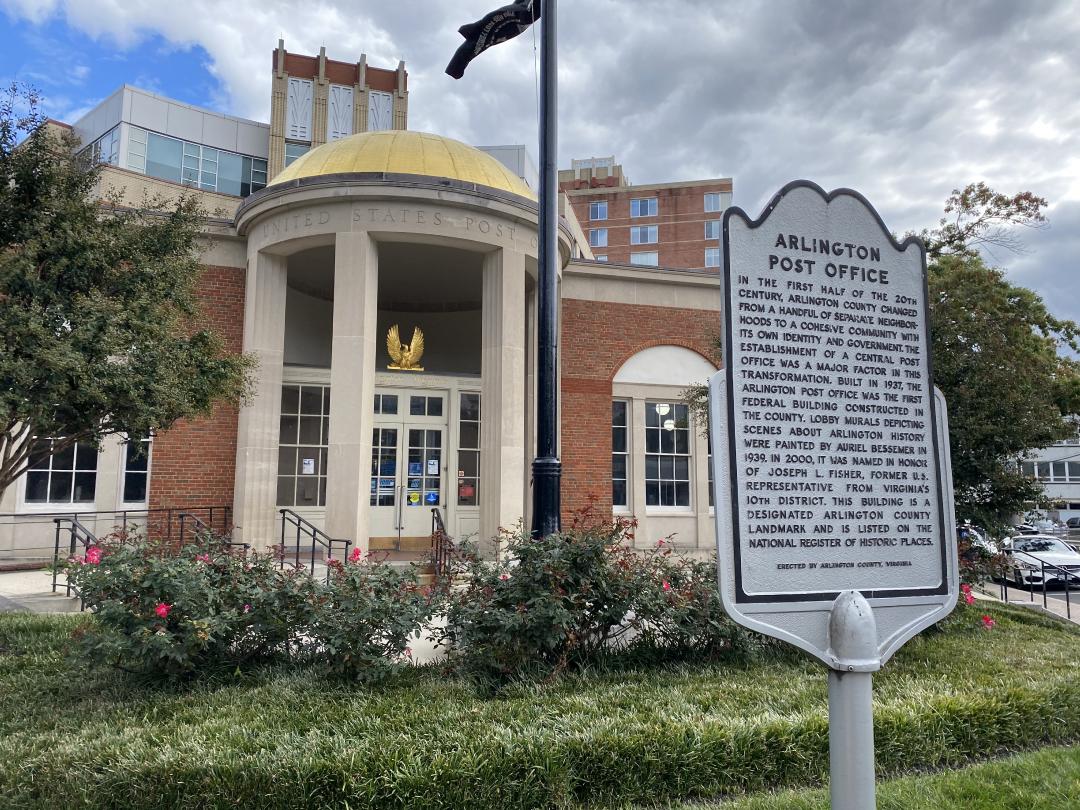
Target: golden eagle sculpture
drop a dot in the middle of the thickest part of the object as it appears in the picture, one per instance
(406, 356)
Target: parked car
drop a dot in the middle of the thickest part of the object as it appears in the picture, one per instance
(1073, 523)
(1031, 556)
(1025, 528)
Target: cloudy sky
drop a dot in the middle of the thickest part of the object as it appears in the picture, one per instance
(902, 101)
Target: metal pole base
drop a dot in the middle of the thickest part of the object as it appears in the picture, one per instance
(851, 740)
(547, 508)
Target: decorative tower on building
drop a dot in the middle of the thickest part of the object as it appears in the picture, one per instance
(315, 100)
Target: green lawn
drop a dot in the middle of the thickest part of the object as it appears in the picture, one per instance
(73, 737)
(1042, 780)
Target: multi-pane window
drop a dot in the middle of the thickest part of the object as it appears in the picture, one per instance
(712, 257)
(643, 208)
(598, 237)
(713, 203)
(194, 165)
(601, 257)
(295, 150)
(646, 257)
(598, 210)
(136, 474)
(304, 437)
(469, 451)
(69, 476)
(1058, 472)
(386, 404)
(384, 448)
(105, 149)
(667, 454)
(644, 234)
(425, 406)
(712, 229)
(619, 452)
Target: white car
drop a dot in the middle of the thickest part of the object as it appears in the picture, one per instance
(1029, 556)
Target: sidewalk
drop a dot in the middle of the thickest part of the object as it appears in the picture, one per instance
(1055, 602)
(32, 591)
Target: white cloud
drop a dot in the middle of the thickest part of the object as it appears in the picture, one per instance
(902, 101)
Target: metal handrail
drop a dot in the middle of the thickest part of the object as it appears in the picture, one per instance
(77, 534)
(442, 546)
(1069, 577)
(306, 528)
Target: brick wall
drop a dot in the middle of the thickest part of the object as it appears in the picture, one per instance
(597, 338)
(194, 461)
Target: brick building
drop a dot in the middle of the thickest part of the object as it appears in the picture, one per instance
(333, 225)
(654, 225)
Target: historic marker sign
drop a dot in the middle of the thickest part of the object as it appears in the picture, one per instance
(836, 475)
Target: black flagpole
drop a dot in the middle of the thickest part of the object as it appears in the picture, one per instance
(546, 468)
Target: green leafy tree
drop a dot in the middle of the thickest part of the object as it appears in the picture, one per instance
(97, 302)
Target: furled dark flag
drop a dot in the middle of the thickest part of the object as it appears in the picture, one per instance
(498, 26)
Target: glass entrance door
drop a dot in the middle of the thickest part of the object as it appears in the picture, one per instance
(407, 465)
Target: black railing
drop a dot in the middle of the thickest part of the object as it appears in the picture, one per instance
(75, 534)
(1067, 577)
(200, 529)
(443, 550)
(160, 524)
(307, 531)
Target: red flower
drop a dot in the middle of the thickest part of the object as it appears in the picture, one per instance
(667, 585)
(203, 558)
(93, 555)
(969, 599)
(965, 588)
(988, 623)
(162, 610)
(355, 554)
(660, 543)
(504, 577)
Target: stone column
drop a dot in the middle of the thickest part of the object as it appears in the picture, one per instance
(352, 387)
(255, 496)
(502, 403)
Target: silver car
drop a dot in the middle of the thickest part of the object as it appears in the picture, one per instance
(1030, 557)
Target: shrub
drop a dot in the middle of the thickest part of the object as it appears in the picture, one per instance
(564, 599)
(170, 611)
(363, 619)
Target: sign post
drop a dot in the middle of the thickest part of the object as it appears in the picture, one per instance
(839, 534)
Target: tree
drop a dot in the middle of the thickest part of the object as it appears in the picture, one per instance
(995, 354)
(97, 303)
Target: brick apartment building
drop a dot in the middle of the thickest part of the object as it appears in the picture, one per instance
(658, 224)
(334, 223)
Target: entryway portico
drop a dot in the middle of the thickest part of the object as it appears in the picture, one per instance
(334, 260)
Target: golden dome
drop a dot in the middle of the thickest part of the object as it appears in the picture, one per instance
(403, 152)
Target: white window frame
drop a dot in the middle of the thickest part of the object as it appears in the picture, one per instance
(598, 211)
(380, 105)
(659, 509)
(26, 507)
(650, 206)
(714, 202)
(627, 454)
(712, 228)
(120, 484)
(640, 260)
(598, 237)
(644, 234)
(601, 257)
(712, 257)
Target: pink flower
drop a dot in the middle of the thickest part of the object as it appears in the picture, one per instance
(355, 554)
(408, 652)
(667, 585)
(203, 558)
(504, 577)
(93, 555)
(247, 608)
(660, 543)
(162, 610)
(965, 588)
(969, 599)
(988, 623)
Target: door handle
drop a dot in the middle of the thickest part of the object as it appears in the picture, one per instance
(400, 506)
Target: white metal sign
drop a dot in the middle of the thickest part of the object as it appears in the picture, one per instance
(836, 475)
